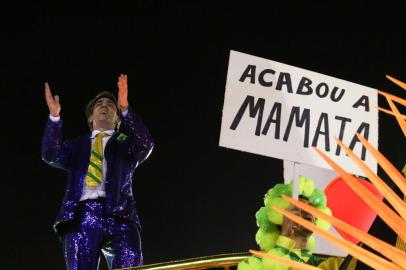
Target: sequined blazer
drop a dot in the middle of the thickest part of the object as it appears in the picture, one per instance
(123, 153)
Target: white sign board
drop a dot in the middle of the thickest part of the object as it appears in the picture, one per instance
(281, 111)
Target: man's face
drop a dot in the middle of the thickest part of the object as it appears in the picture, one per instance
(104, 111)
(299, 229)
(291, 228)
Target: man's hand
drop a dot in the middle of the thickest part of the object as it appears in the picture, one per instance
(122, 92)
(52, 101)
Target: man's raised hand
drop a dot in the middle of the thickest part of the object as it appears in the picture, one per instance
(52, 101)
(122, 84)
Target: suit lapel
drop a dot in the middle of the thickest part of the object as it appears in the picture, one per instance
(110, 143)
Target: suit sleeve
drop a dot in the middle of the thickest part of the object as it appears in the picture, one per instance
(142, 142)
(54, 152)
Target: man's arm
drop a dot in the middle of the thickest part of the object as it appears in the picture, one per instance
(54, 152)
(132, 124)
(135, 128)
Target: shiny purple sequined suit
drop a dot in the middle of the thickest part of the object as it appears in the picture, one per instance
(110, 225)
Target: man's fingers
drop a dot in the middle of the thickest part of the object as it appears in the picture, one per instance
(124, 81)
(122, 86)
(47, 90)
(119, 82)
(48, 94)
(123, 77)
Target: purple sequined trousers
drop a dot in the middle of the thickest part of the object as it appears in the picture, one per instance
(92, 232)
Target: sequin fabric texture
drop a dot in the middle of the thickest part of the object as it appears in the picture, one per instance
(93, 232)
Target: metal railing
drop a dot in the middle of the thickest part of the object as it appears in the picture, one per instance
(224, 261)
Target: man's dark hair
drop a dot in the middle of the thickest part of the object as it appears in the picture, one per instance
(90, 105)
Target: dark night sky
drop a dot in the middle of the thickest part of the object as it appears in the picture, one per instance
(193, 197)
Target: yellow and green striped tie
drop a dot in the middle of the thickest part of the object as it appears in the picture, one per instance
(94, 175)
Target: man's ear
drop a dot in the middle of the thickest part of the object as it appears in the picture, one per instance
(90, 119)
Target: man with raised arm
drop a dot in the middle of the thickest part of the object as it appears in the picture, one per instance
(98, 211)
